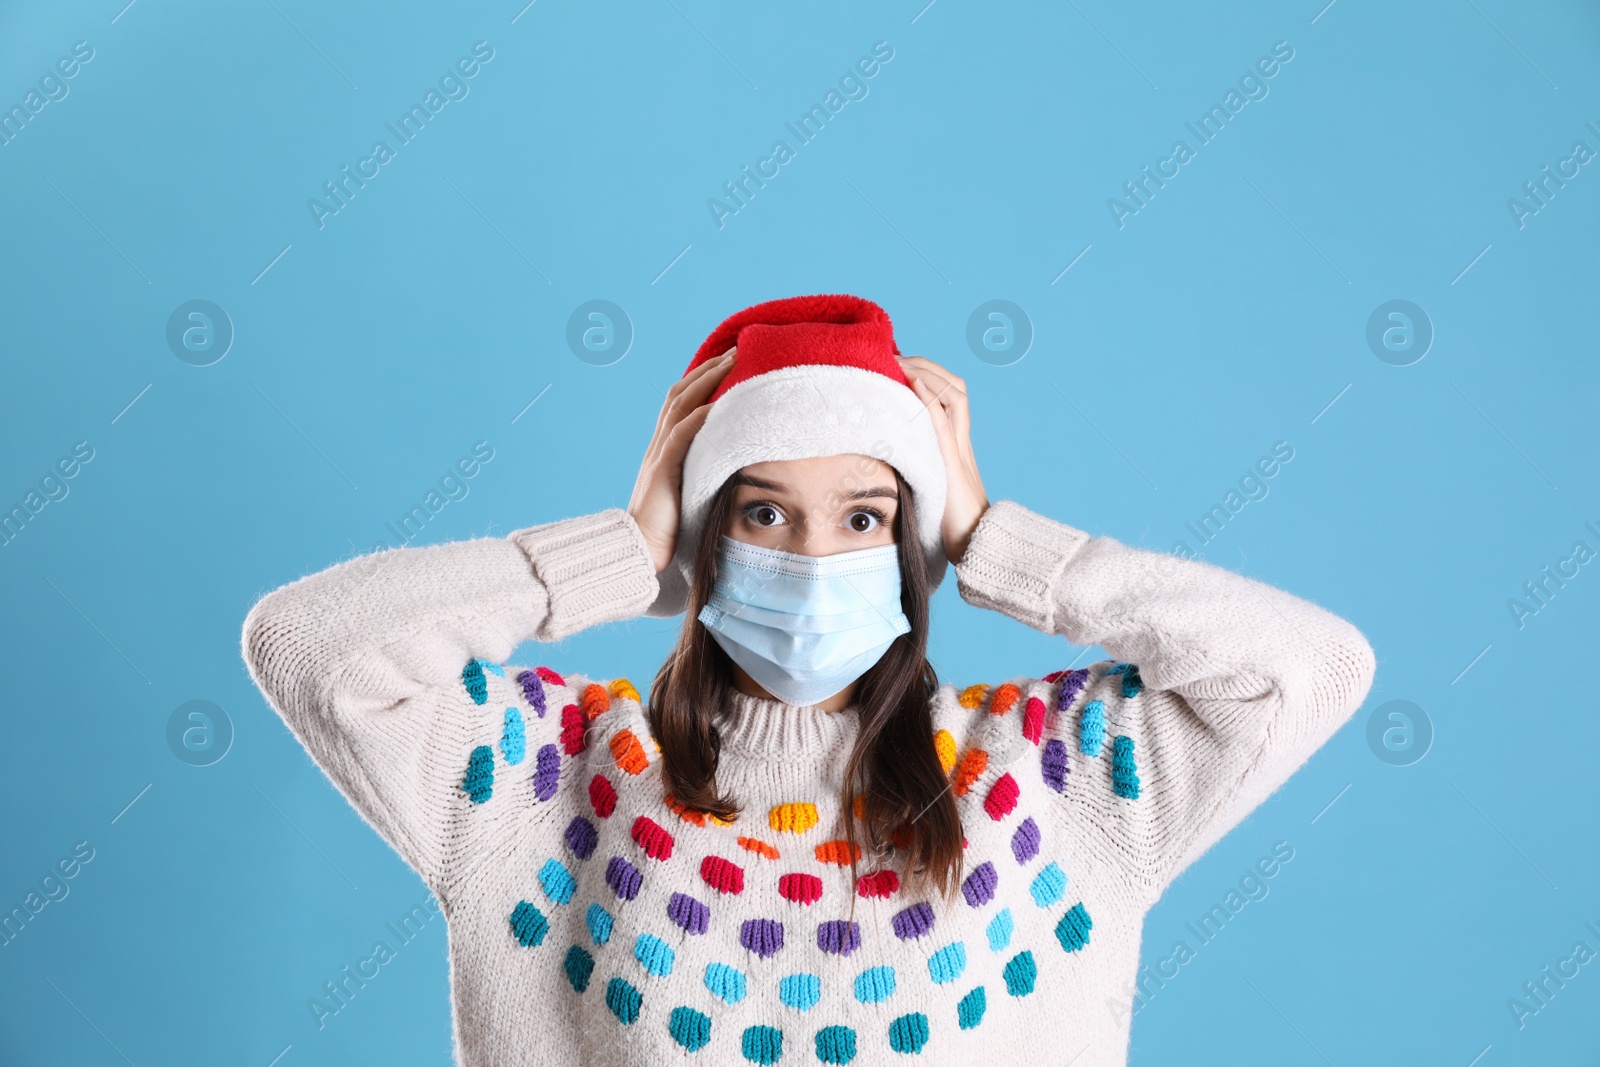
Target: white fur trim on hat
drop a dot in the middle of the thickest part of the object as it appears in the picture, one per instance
(804, 412)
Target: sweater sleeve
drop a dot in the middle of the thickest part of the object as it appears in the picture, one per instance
(1237, 685)
(364, 661)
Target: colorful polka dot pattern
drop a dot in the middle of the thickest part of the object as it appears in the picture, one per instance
(765, 938)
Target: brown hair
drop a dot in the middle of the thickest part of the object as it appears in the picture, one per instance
(904, 792)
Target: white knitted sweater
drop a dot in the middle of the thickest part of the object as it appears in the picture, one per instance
(591, 922)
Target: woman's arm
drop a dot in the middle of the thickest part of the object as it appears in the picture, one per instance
(1241, 682)
(365, 660)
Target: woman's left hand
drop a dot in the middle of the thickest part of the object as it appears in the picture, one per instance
(945, 396)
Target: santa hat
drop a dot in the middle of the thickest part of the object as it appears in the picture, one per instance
(814, 376)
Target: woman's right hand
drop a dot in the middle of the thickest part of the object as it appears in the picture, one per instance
(655, 503)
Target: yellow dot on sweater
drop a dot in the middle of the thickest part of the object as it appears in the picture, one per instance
(972, 696)
(945, 746)
(621, 687)
(794, 818)
(717, 821)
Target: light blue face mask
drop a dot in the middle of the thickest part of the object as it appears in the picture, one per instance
(805, 627)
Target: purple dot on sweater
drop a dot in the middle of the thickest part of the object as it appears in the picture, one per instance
(688, 913)
(764, 937)
(1071, 686)
(547, 772)
(1053, 764)
(581, 837)
(839, 936)
(913, 921)
(979, 885)
(623, 878)
(1025, 842)
(532, 691)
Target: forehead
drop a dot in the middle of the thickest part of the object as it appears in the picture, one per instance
(824, 474)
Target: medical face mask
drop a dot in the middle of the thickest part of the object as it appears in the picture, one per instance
(805, 627)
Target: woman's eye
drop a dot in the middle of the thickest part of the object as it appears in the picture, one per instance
(764, 515)
(863, 521)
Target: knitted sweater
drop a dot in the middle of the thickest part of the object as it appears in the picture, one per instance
(593, 920)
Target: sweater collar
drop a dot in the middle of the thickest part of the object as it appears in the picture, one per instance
(762, 728)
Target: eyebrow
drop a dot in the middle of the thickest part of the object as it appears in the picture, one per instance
(870, 492)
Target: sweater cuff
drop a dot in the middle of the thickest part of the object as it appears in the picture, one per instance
(596, 568)
(1014, 563)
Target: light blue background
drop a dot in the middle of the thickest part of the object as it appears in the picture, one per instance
(424, 317)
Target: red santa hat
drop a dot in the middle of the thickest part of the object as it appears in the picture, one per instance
(814, 376)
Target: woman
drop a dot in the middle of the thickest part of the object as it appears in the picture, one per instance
(802, 848)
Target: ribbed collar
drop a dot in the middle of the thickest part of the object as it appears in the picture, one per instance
(763, 729)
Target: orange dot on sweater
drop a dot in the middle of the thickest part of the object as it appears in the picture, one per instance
(837, 852)
(973, 695)
(1005, 698)
(687, 814)
(795, 818)
(625, 748)
(972, 765)
(945, 746)
(621, 687)
(595, 700)
(760, 848)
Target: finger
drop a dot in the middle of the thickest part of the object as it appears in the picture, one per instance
(943, 376)
(941, 419)
(678, 439)
(694, 391)
(952, 393)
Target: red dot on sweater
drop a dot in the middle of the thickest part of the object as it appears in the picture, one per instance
(1002, 798)
(878, 884)
(602, 796)
(800, 888)
(652, 837)
(1033, 720)
(549, 675)
(573, 737)
(724, 876)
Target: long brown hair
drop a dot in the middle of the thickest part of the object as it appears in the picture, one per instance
(893, 768)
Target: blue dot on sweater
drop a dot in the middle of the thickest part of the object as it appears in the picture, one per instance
(909, 1033)
(528, 924)
(598, 920)
(725, 982)
(948, 963)
(690, 1028)
(1020, 974)
(875, 984)
(836, 1044)
(999, 930)
(762, 1044)
(800, 991)
(653, 954)
(513, 740)
(557, 881)
(970, 1011)
(579, 966)
(1048, 887)
(623, 1000)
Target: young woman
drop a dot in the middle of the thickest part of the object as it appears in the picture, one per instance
(801, 848)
